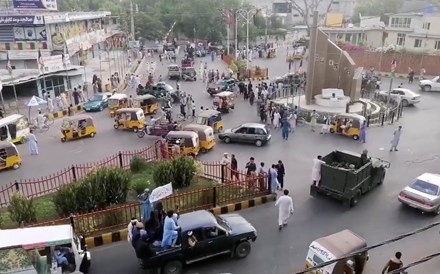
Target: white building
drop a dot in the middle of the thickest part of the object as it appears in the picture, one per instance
(76, 36)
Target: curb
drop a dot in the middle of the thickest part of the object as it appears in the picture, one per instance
(121, 235)
(65, 113)
(256, 79)
(402, 76)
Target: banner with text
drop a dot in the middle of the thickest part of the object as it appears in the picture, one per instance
(55, 63)
(35, 4)
(21, 20)
(161, 192)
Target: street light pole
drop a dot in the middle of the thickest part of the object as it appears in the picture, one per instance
(247, 40)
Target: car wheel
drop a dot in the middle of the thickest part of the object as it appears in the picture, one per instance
(242, 250)
(173, 267)
(355, 137)
(116, 126)
(16, 166)
(426, 88)
(63, 139)
(135, 130)
(92, 134)
(141, 134)
(405, 103)
(355, 200)
(258, 143)
(332, 130)
(22, 140)
(227, 140)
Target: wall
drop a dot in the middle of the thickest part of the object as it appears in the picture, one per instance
(382, 62)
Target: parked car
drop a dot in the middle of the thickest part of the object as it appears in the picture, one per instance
(252, 133)
(215, 235)
(423, 193)
(408, 97)
(98, 102)
(430, 85)
(161, 90)
(221, 85)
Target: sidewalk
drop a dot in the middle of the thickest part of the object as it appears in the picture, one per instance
(118, 63)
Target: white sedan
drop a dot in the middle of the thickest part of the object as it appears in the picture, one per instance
(407, 97)
(423, 193)
(430, 85)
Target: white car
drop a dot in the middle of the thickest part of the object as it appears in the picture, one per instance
(407, 97)
(423, 193)
(430, 85)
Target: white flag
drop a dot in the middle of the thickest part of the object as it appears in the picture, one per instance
(161, 192)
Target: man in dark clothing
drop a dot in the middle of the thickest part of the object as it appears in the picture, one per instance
(234, 167)
(281, 173)
(393, 264)
(251, 167)
(364, 157)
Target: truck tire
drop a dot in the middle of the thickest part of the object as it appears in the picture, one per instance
(355, 200)
(242, 250)
(173, 267)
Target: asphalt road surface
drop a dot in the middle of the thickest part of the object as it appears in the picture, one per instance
(377, 217)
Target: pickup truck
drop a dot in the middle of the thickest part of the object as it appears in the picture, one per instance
(221, 85)
(216, 235)
(346, 176)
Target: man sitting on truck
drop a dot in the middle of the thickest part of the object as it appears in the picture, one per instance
(364, 157)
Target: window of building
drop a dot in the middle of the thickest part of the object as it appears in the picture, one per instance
(426, 26)
(437, 45)
(401, 39)
(418, 43)
(400, 23)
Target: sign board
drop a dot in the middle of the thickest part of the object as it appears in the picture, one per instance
(35, 4)
(6, 20)
(133, 44)
(161, 192)
(55, 63)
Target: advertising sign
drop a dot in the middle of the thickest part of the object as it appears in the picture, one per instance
(21, 20)
(55, 63)
(35, 4)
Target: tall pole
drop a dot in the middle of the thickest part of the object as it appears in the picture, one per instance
(16, 98)
(100, 65)
(228, 43)
(132, 21)
(247, 39)
(266, 26)
(312, 59)
(236, 33)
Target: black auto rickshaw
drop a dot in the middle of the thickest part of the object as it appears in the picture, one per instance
(336, 246)
(212, 118)
(189, 74)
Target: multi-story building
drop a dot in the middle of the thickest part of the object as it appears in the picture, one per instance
(47, 50)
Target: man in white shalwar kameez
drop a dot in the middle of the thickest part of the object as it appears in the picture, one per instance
(285, 209)
(316, 170)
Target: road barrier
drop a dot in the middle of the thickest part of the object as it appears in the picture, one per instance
(38, 187)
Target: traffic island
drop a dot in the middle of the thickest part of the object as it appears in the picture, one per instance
(121, 235)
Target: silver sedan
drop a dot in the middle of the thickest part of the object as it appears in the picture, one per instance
(423, 193)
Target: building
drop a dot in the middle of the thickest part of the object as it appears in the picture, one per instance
(48, 50)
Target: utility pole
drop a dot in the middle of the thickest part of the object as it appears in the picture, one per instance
(312, 59)
(268, 14)
(132, 22)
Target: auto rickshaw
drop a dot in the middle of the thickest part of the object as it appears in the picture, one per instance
(129, 118)
(337, 246)
(224, 101)
(14, 128)
(148, 103)
(77, 127)
(206, 136)
(173, 72)
(183, 142)
(271, 53)
(348, 124)
(212, 118)
(9, 156)
(117, 101)
(189, 74)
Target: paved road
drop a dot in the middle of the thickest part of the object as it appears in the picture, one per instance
(378, 216)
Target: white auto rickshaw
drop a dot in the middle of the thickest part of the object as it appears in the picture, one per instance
(14, 128)
(43, 250)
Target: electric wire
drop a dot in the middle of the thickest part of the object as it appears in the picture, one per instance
(421, 261)
(362, 250)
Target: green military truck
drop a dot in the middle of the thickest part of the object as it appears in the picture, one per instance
(346, 176)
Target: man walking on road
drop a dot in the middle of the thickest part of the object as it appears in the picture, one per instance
(285, 209)
(396, 139)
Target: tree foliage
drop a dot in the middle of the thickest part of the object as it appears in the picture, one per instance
(305, 8)
(376, 8)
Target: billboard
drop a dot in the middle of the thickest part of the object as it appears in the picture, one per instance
(35, 4)
(6, 20)
(282, 7)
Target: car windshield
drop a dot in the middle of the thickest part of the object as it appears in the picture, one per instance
(234, 129)
(425, 187)
(223, 223)
(96, 97)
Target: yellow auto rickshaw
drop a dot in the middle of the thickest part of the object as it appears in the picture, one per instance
(336, 246)
(77, 127)
(9, 156)
(271, 53)
(129, 118)
(348, 124)
(117, 101)
(148, 103)
(206, 136)
(183, 143)
(224, 101)
(212, 118)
